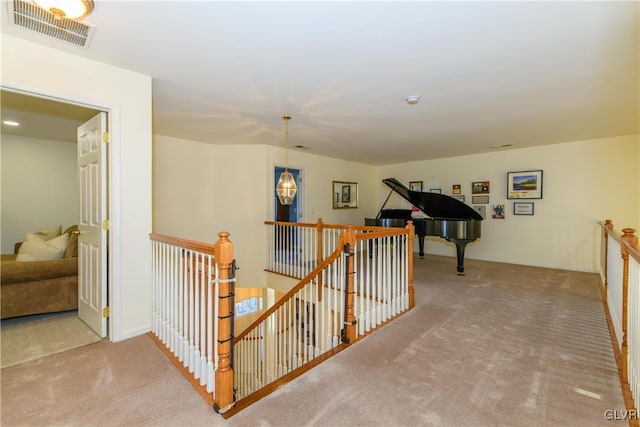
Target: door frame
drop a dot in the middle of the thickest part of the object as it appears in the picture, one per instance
(113, 283)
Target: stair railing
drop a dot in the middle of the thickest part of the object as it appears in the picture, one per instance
(620, 259)
(192, 311)
(364, 282)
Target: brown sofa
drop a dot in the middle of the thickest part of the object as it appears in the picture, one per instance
(38, 287)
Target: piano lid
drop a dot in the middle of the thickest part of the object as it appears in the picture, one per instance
(434, 205)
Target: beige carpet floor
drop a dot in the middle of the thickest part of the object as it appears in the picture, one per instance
(32, 337)
(503, 346)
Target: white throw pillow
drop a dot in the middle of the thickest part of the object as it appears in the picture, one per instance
(49, 233)
(36, 249)
(31, 236)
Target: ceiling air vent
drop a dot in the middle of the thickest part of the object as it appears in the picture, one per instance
(29, 16)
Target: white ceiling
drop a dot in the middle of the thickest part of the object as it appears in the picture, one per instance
(488, 74)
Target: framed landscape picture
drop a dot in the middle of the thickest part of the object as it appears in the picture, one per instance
(524, 185)
(480, 187)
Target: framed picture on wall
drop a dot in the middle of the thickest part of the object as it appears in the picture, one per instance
(345, 194)
(498, 212)
(415, 185)
(482, 210)
(524, 185)
(479, 200)
(480, 187)
(523, 208)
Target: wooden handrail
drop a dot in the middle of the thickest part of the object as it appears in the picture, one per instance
(628, 248)
(631, 244)
(373, 232)
(296, 288)
(630, 239)
(392, 230)
(207, 248)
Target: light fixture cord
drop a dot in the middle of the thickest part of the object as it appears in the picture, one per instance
(286, 142)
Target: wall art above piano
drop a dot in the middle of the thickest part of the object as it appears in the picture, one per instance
(482, 210)
(480, 200)
(415, 185)
(480, 187)
(524, 185)
(345, 195)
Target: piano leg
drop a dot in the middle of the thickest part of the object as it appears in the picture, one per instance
(421, 245)
(460, 254)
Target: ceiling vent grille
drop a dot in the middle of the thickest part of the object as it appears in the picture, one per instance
(29, 16)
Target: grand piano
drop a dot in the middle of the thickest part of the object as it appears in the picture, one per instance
(449, 218)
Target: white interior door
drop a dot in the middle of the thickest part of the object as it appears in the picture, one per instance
(92, 247)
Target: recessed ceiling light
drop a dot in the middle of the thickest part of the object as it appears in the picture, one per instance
(413, 99)
(10, 123)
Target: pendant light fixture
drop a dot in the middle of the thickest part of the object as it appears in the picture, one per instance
(286, 187)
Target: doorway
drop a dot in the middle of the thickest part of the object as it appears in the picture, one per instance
(287, 213)
(286, 242)
(54, 114)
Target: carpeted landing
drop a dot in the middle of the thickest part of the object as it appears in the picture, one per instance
(31, 337)
(504, 345)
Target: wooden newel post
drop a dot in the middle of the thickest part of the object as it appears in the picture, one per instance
(224, 399)
(608, 226)
(411, 229)
(630, 238)
(349, 333)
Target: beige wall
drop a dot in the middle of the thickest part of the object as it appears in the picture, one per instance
(127, 97)
(201, 189)
(39, 186)
(584, 182)
(320, 172)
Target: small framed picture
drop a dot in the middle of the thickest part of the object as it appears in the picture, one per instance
(479, 200)
(498, 212)
(524, 185)
(456, 189)
(458, 197)
(523, 208)
(435, 190)
(480, 187)
(345, 194)
(482, 210)
(415, 185)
